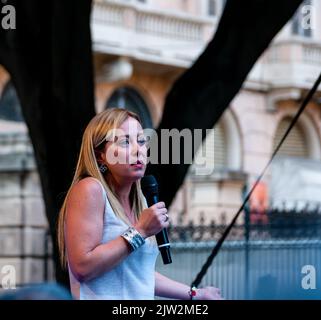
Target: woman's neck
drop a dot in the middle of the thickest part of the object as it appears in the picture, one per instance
(122, 189)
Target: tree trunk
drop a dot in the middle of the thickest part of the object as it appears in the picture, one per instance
(49, 58)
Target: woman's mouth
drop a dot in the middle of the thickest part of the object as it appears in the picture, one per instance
(139, 164)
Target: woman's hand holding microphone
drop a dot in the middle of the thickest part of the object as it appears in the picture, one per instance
(152, 220)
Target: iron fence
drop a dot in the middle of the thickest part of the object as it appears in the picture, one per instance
(263, 258)
(274, 268)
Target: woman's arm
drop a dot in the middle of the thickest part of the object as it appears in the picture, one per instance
(168, 288)
(87, 257)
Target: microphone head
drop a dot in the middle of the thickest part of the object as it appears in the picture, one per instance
(149, 185)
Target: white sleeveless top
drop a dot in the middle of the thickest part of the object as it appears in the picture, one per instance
(132, 279)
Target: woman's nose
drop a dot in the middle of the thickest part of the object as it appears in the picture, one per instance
(136, 149)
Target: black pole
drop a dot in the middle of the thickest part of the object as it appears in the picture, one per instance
(246, 247)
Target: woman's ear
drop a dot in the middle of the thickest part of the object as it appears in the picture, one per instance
(99, 156)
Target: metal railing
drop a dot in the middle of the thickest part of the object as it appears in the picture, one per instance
(275, 223)
(262, 259)
(273, 270)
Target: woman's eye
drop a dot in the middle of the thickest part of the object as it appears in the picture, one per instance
(142, 141)
(124, 142)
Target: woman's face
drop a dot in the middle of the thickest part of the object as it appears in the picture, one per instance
(126, 157)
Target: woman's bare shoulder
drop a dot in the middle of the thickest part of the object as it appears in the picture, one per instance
(88, 188)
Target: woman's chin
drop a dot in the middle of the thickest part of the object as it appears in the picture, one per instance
(136, 175)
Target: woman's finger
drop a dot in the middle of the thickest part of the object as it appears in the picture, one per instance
(162, 211)
(160, 205)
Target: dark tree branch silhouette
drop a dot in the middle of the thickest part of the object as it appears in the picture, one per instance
(201, 95)
(49, 58)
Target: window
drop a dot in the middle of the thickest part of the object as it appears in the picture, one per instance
(219, 146)
(295, 145)
(10, 108)
(129, 98)
(216, 148)
(211, 7)
(302, 24)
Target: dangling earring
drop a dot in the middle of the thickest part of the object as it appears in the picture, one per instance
(103, 168)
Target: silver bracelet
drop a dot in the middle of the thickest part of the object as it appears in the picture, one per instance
(134, 238)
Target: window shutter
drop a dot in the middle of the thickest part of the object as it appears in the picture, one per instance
(216, 143)
(295, 144)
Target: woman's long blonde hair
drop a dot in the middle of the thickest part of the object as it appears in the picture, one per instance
(87, 166)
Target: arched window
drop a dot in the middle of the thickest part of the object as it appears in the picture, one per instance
(128, 98)
(10, 108)
(216, 142)
(220, 152)
(295, 172)
(301, 18)
(295, 145)
(224, 146)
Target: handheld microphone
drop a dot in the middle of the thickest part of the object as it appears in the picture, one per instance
(150, 190)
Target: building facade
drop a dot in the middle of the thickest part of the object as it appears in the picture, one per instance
(140, 48)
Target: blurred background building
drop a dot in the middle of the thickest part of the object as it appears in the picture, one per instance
(140, 48)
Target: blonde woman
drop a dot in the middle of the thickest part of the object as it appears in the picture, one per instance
(105, 231)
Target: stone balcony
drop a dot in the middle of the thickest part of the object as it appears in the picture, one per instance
(288, 64)
(127, 28)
